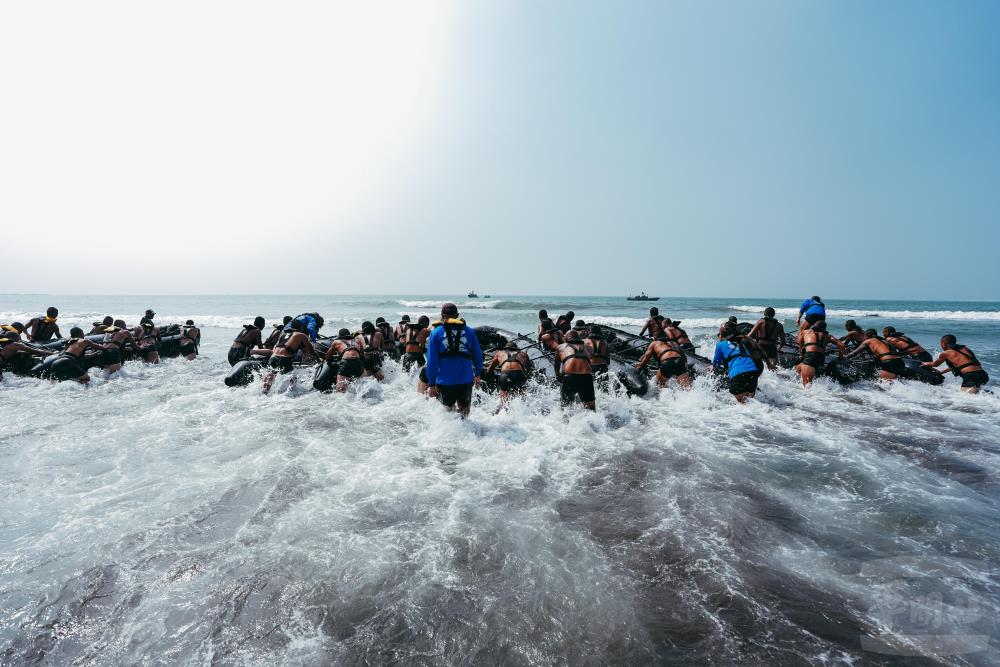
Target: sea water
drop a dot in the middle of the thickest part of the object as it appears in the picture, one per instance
(162, 517)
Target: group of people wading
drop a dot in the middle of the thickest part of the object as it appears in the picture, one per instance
(106, 346)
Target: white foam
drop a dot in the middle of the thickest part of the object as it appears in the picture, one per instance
(437, 304)
(972, 315)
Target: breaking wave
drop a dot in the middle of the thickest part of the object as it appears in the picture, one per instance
(983, 315)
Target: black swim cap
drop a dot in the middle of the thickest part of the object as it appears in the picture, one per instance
(259, 322)
(581, 324)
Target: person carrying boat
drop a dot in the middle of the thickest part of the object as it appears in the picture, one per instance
(273, 337)
(962, 362)
(514, 366)
(575, 372)
(565, 322)
(99, 327)
(551, 338)
(69, 364)
(654, 324)
(399, 332)
(388, 338)
(454, 361)
(373, 354)
(414, 341)
(905, 345)
(671, 360)
(890, 364)
(768, 333)
(246, 341)
(813, 310)
(11, 345)
(542, 316)
(350, 353)
(282, 357)
(118, 339)
(732, 323)
(855, 334)
(672, 330)
(43, 328)
(148, 342)
(190, 338)
(812, 344)
(311, 324)
(600, 356)
(733, 358)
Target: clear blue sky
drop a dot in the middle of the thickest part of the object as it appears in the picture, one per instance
(708, 149)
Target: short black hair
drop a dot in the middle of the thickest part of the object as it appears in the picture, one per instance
(286, 319)
(654, 311)
(76, 332)
(769, 312)
(449, 309)
(259, 322)
(949, 339)
(52, 311)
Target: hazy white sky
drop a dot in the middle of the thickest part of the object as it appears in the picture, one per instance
(743, 149)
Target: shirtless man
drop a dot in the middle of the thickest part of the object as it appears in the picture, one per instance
(10, 345)
(905, 345)
(962, 362)
(671, 359)
(388, 338)
(399, 331)
(374, 355)
(514, 367)
(890, 365)
(190, 337)
(542, 316)
(247, 340)
(855, 334)
(600, 357)
(575, 372)
(565, 322)
(276, 334)
(74, 350)
(551, 339)
(731, 323)
(99, 327)
(43, 328)
(673, 331)
(283, 355)
(654, 325)
(117, 338)
(414, 341)
(148, 342)
(768, 333)
(350, 352)
(812, 343)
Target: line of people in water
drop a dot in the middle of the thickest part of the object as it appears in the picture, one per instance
(117, 342)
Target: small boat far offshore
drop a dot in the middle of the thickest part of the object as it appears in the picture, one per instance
(473, 295)
(642, 297)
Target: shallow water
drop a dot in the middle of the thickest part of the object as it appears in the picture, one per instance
(162, 517)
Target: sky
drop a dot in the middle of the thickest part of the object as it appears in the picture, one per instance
(775, 148)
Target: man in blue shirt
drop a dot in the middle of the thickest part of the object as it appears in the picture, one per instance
(814, 310)
(454, 361)
(311, 324)
(733, 357)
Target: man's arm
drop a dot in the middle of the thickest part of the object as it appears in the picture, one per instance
(646, 356)
(719, 361)
(856, 351)
(937, 362)
(645, 326)
(493, 362)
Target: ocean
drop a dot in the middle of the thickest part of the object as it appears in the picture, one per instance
(161, 517)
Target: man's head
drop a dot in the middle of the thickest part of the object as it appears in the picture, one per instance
(149, 314)
(948, 341)
(888, 331)
(596, 331)
(667, 322)
(816, 299)
(259, 322)
(511, 346)
(654, 311)
(404, 318)
(367, 327)
(769, 312)
(851, 325)
(732, 320)
(52, 312)
(120, 324)
(728, 330)
(424, 321)
(189, 323)
(871, 333)
(379, 321)
(543, 314)
(570, 315)
(319, 320)
(108, 321)
(449, 310)
(18, 326)
(572, 336)
(819, 326)
(580, 324)
(76, 332)
(344, 333)
(286, 319)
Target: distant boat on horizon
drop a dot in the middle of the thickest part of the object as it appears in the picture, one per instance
(473, 295)
(642, 297)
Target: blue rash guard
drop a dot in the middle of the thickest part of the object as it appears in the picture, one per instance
(457, 363)
(310, 326)
(812, 307)
(734, 360)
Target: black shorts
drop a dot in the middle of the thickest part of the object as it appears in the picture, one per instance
(813, 318)
(146, 351)
(350, 368)
(744, 383)
(672, 367)
(413, 358)
(512, 380)
(770, 350)
(111, 357)
(67, 368)
(373, 363)
(190, 348)
(280, 364)
(236, 355)
(894, 366)
(815, 359)
(975, 379)
(577, 385)
(423, 375)
(449, 394)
